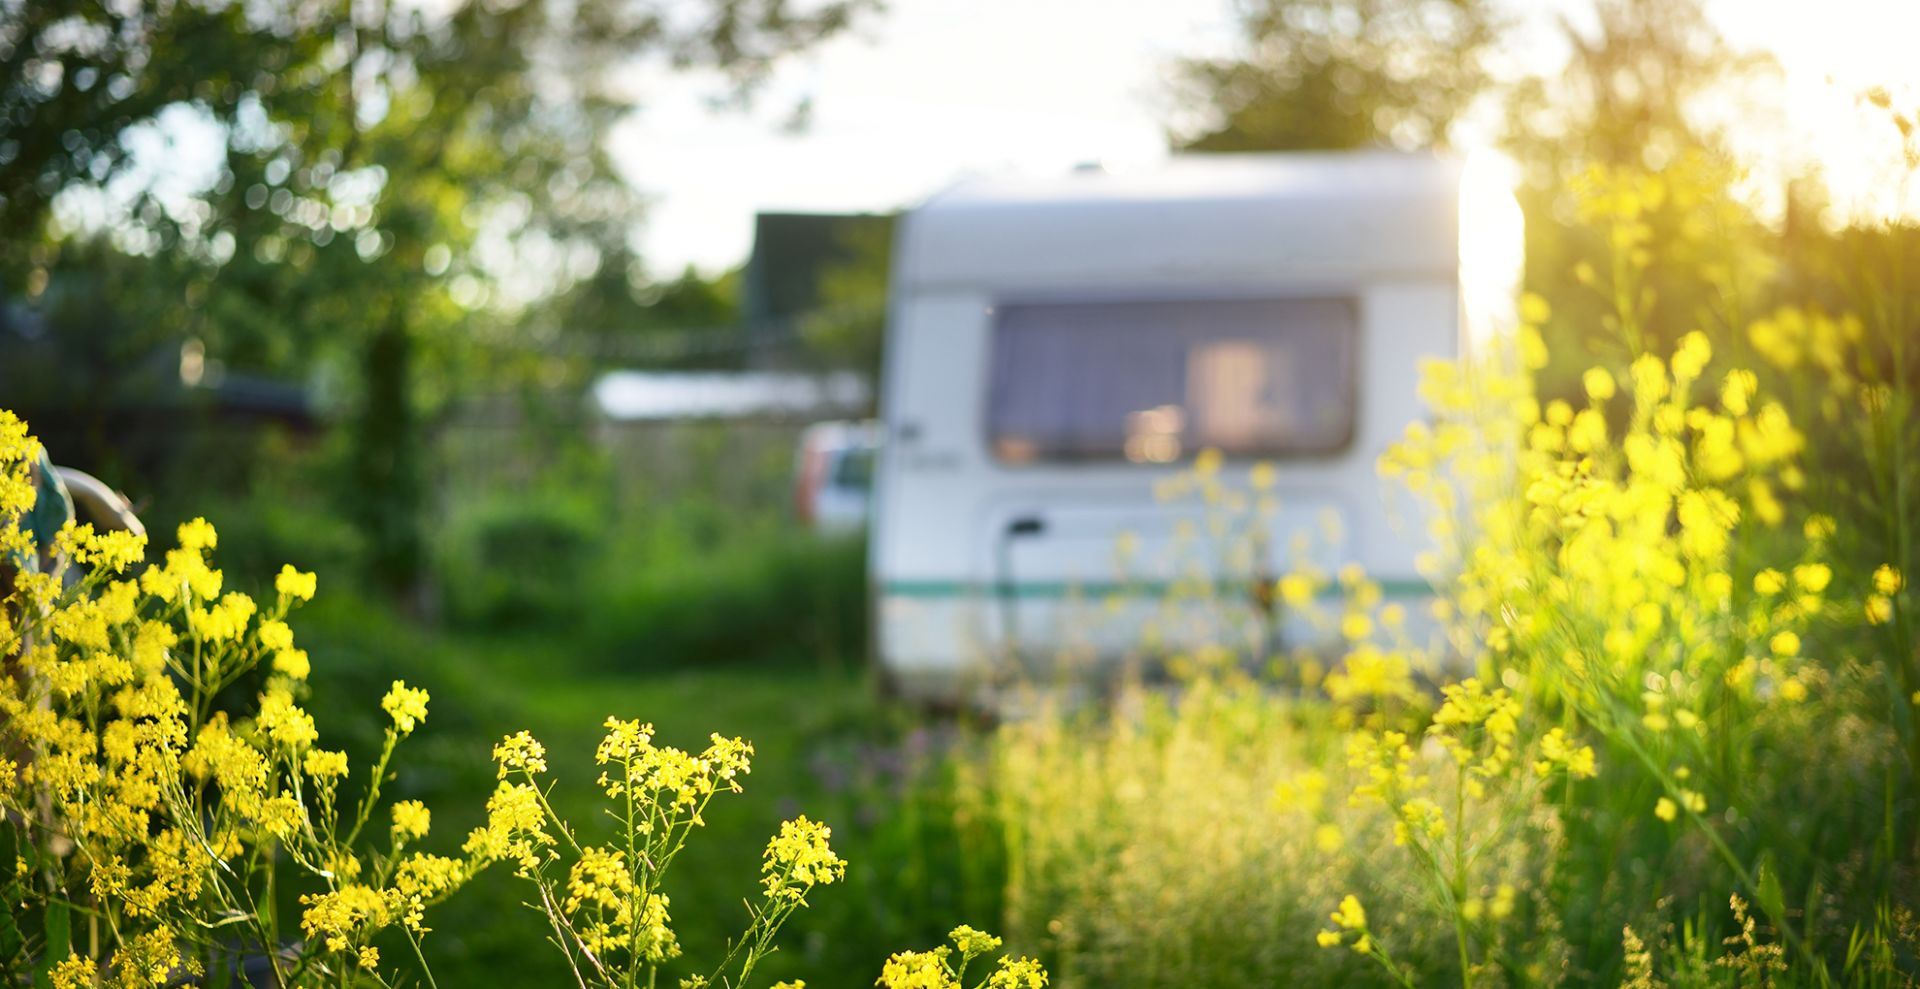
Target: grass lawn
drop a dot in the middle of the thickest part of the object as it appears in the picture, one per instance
(824, 746)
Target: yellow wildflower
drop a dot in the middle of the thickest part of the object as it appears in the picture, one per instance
(411, 820)
(292, 663)
(1812, 577)
(1017, 973)
(1736, 389)
(406, 705)
(275, 636)
(798, 858)
(918, 970)
(1350, 915)
(973, 943)
(285, 722)
(520, 752)
(197, 535)
(1691, 357)
(295, 584)
(321, 765)
(1557, 752)
(1599, 384)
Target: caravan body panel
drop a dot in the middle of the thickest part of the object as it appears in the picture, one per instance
(1058, 348)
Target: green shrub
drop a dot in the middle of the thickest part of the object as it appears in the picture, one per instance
(790, 594)
(521, 560)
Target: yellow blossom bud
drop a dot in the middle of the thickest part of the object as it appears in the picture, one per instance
(406, 705)
(1350, 915)
(292, 663)
(1812, 577)
(1296, 590)
(197, 535)
(1599, 383)
(411, 820)
(294, 584)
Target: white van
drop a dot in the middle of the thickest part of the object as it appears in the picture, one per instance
(1056, 347)
(833, 475)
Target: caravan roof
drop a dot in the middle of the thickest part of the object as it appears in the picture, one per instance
(1198, 217)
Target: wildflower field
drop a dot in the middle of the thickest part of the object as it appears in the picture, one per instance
(1656, 728)
(1661, 729)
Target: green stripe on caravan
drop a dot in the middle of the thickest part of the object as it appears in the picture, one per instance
(1392, 588)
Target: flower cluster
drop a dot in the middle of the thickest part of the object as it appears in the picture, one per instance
(609, 914)
(138, 797)
(173, 821)
(1612, 569)
(671, 778)
(937, 969)
(797, 859)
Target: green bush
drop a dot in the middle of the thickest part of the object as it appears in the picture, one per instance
(522, 560)
(790, 594)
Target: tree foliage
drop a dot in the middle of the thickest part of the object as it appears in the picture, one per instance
(397, 181)
(1637, 92)
(1330, 74)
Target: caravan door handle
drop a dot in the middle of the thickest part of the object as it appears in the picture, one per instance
(1026, 525)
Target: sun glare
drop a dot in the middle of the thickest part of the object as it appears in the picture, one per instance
(1821, 118)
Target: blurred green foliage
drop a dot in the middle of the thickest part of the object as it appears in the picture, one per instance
(395, 186)
(649, 593)
(1316, 75)
(806, 593)
(520, 560)
(849, 327)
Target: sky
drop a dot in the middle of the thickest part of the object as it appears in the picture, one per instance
(930, 91)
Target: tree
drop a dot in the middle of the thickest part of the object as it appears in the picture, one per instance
(1636, 94)
(849, 327)
(397, 177)
(1332, 74)
(1633, 89)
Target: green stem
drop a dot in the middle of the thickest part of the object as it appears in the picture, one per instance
(425, 969)
(1458, 879)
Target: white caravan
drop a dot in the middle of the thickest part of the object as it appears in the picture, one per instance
(1056, 347)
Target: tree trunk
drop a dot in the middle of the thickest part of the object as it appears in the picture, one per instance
(386, 492)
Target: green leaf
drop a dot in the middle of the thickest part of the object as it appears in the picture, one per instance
(59, 944)
(1772, 899)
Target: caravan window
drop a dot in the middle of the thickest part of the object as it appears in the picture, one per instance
(1153, 382)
